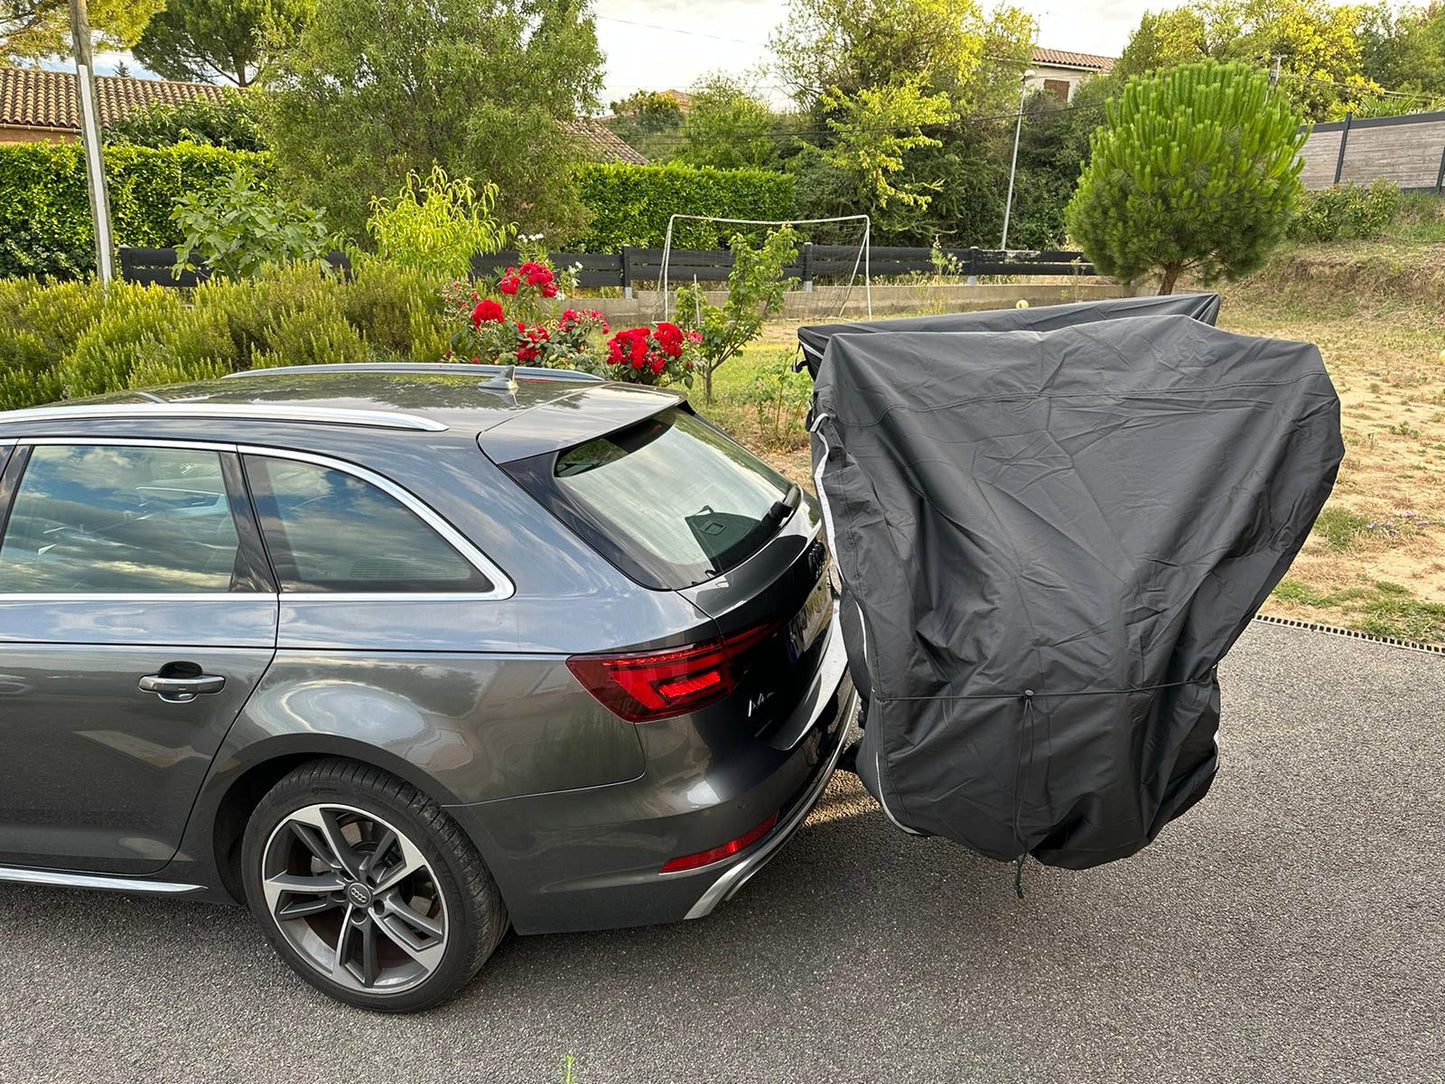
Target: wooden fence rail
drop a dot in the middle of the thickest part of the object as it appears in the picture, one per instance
(634, 265)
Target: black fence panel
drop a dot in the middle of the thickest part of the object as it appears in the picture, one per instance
(157, 267)
(684, 265)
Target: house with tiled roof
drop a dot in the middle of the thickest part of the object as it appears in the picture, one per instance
(43, 105)
(601, 144)
(1060, 72)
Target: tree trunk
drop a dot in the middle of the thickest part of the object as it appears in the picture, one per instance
(707, 386)
(1171, 276)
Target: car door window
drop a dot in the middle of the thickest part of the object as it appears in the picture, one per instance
(95, 519)
(328, 530)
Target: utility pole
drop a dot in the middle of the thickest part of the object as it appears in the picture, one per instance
(1013, 166)
(90, 142)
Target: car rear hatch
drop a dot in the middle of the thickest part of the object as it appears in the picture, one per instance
(677, 505)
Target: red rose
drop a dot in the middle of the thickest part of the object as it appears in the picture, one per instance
(549, 290)
(508, 285)
(658, 364)
(486, 310)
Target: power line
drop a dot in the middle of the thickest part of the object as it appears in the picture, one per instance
(667, 139)
(681, 30)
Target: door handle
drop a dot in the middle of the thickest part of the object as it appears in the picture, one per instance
(181, 690)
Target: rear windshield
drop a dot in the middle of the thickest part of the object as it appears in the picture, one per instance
(672, 497)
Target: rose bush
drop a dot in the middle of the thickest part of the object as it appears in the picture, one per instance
(659, 354)
(513, 321)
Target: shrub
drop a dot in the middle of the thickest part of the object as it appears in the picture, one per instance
(228, 122)
(1347, 212)
(237, 228)
(631, 204)
(73, 339)
(1195, 169)
(437, 224)
(45, 225)
(518, 320)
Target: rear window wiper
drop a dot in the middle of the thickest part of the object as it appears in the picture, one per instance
(781, 510)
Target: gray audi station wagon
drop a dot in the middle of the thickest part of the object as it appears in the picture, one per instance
(404, 656)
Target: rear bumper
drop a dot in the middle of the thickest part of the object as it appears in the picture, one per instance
(757, 856)
(591, 859)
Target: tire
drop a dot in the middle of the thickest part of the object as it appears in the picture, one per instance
(339, 853)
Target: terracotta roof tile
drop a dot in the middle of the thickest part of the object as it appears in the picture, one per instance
(1064, 59)
(602, 144)
(34, 98)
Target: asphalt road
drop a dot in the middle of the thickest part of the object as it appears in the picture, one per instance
(1289, 928)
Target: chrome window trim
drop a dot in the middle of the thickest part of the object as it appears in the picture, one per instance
(90, 439)
(373, 419)
(502, 586)
(268, 597)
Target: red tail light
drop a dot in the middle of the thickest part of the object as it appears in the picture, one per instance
(717, 854)
(642, 686)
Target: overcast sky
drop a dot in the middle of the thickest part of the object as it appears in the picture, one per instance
(657, 44)
(661, 44)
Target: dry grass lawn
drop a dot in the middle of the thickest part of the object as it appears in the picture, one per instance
(1376, 558)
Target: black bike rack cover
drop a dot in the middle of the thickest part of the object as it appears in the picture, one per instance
(1047, 541)
(814, 340)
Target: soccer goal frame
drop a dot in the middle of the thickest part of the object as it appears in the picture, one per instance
(864, 249)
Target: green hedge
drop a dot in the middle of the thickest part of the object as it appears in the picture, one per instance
(630, 205)
(72, 339)
(45, 225)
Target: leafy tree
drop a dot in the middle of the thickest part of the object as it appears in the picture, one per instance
(726, 125)
(755, 291)
(372, 90)
(872, 131)
(238, 229)
(1314, 42)
(1194, 169)
(229, 122)
(203, 39)
(436, 224)
(1405, 51)
(649, 112)
(946, 45)
(33, 29)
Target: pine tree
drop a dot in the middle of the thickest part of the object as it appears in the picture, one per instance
(1196, 169)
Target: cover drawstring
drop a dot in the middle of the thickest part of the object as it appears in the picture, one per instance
(1025, 729)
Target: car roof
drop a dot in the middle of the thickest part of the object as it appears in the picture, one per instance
(469, 399)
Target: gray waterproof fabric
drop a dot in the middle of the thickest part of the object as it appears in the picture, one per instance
(1205, 307)
(1047, 542)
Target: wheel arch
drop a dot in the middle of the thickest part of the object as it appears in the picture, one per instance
(236, 789)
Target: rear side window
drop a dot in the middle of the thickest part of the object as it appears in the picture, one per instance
(327, 530)
(90, 519)
(673, 496)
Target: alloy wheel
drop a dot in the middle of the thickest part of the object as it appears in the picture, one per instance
(355, 898)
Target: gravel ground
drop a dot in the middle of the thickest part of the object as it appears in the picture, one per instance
(1290, 928)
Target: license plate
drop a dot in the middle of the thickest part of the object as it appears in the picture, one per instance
(809, 622)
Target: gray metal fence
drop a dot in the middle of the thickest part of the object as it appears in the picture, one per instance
(1408, 150)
